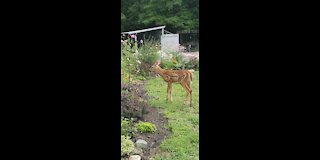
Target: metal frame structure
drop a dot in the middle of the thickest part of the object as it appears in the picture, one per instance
(146, 30)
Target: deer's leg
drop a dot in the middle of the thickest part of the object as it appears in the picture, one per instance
(169, 91)
(187, 90)
(190, 92)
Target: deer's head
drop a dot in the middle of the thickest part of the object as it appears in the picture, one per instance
(155, 66)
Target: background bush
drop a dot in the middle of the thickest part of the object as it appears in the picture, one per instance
(176, 62)
(148, 54)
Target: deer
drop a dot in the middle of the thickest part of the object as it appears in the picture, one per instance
(183, 77)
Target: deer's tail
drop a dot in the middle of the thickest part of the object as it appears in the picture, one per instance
(191, 74)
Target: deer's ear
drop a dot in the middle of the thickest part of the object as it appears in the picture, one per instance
(157, 62)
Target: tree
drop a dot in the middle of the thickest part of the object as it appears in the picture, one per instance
(176, 15)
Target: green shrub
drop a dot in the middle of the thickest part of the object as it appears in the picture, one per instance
(146, 127)
(167, 64)
(148, 54)
(137, 61)
(177, 63)
(129, 59)
(127, 145)
(177, 56)
(127, 129)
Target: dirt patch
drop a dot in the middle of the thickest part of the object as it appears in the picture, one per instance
(154, 140)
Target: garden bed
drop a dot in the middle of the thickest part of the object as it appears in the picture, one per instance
(154, 139)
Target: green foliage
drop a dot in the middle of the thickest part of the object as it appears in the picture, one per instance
(176, 15)
(146, 127)
(136, 62)
(130, 59)
(167, 64)
(148, 54)
(173, 62)
(177, 62)
(127, 127)
(127, 145)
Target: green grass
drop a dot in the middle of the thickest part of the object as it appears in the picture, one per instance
(183, 143)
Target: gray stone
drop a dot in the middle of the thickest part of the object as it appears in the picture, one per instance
(134, 157)
(140, 143)
(137, 151)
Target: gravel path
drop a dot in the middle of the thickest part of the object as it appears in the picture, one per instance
(190, 55)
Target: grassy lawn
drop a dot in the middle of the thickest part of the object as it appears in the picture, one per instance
(183, 144)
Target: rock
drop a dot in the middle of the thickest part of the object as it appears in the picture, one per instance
(134, 157)
(140, 143)
(137, 151)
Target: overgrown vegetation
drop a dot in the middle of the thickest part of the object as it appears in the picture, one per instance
(137, 61)
(175, 61)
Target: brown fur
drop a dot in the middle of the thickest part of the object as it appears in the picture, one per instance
(183, 77)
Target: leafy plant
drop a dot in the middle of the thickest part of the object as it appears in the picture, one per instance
(148, 54)
(175, 61)
(130, 61)
(167, 64)
(146, 127)
(127, 127)
(127, 145)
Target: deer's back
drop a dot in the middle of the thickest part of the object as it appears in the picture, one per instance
(177, 75)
